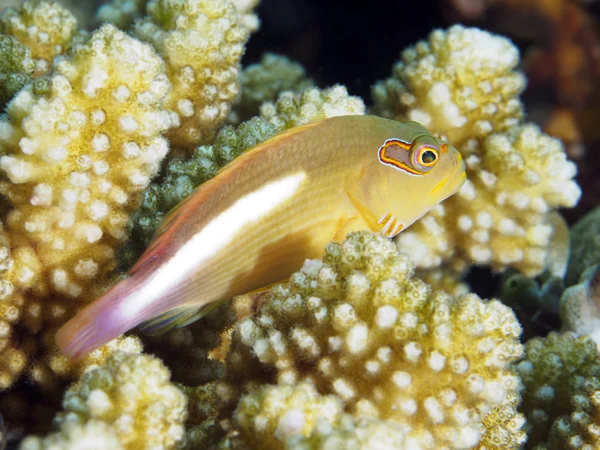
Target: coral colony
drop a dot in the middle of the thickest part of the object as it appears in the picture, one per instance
(104, 131)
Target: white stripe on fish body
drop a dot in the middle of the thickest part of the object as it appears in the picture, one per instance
(212, 238)
(390, 226)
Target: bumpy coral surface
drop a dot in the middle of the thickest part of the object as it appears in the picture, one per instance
(202, 42)
(16, 67)
(503, 427)
(293, 109)
(352, 434)
(560, 377)
(267, 417)
(131, 393)
(75, 162)
(47, 28)
(462, 84)
(358, 325)
(92, 435)
(264, 81)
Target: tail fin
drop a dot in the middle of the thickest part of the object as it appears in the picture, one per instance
(95, 325)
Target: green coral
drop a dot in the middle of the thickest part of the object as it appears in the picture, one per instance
(16, 67)
(264, 81)
(360, 326)
(560, 377)
(46, 28)
(121, 13)
(585, 245)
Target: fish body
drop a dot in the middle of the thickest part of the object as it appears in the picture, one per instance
(262, 215)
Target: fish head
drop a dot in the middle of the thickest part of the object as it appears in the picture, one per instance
(415, 171)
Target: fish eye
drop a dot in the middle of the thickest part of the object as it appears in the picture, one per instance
(425, 157)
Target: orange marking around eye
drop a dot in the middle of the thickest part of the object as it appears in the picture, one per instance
(444, 148)
(391, 161)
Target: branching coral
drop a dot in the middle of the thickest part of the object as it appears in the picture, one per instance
(462, 84)
(352, 434)
(359, 325)
(580, 305)
(16, 67)
(264, 81)
(202, 42)
(47, 29)
(76, 161)
(270, 415)
(131, 393)
(92, 435)
(560, 377)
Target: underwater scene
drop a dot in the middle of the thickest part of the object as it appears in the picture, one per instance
(299, 224)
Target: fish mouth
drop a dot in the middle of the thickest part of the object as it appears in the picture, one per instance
(452, 183)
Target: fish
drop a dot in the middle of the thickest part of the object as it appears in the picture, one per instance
(265, 213)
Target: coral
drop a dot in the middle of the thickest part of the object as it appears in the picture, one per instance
(71, 195)
(503, 427)
(182, 176)
(268, 416)
(246, 11)
(502, 215)
(585, 245)
(535, 301)
(461, 84)
(16, 68)
(202, 42)
(47, 29)
(556, 371)
(92, 435)
(121, 13)
(264, 81)
(293, 109)
(580, 305)
(352, 434)
(131, 393)
(359, 325)
(186, 350)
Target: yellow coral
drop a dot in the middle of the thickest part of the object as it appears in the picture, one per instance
(77, 160)
(247, 16)
(294, 109)
(202, 42)
(359, 325)
(352, 433)
(47, 29)
(267, 417)
(131, 393)
(503, 427)
(462, 84)
(92, 435)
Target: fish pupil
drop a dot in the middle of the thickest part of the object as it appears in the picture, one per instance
(428, 157)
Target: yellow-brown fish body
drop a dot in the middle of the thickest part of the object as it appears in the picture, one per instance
(266, 212)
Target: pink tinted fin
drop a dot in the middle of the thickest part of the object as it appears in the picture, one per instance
(176, 318)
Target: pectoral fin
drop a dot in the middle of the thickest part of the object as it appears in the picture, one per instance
(176, 318)
(363, 210)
